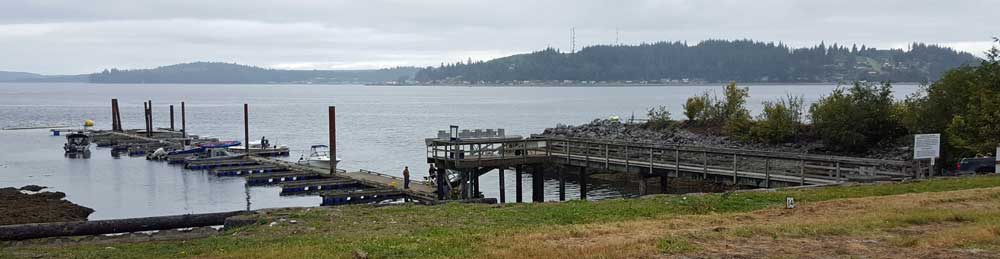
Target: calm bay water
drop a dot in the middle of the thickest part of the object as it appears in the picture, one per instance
(379, 128)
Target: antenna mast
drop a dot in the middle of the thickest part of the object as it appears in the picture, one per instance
(617, 36)
(572, 40)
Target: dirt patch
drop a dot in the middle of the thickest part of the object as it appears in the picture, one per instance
(17, 207)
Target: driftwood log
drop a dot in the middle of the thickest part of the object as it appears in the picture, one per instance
(98, 227)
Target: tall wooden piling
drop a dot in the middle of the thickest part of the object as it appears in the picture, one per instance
(246, 128)
(150, 131)
(333, 139)
(171, 117)
(183, 122)
(116, 124)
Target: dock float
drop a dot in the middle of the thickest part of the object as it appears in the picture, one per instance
(246, 170)
(319, 185)
(201, 165)
(361, 196)
(277, 178)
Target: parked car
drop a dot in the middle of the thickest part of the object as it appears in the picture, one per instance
(977, 165)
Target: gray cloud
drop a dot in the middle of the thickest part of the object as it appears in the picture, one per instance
(85, 36)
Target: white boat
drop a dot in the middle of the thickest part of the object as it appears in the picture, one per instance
(319, 156)
(262, 147)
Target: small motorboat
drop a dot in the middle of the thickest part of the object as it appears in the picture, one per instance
(262, 147)
(319, 156)
(212, 154)
(77, 143)
(182, 155)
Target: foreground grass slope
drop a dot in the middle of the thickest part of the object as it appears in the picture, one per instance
(935, 218)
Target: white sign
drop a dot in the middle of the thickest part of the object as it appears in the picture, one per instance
(926, 146)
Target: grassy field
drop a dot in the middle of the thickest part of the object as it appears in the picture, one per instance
(935, 218)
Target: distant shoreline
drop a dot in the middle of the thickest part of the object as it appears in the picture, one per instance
(469, 85)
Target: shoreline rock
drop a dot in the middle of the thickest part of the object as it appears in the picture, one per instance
(18, 207)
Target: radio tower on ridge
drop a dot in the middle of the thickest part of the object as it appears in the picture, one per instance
(572, 40)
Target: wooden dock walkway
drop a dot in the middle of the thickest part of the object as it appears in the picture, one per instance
(467, 159)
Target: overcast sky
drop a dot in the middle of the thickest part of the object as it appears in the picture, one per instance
(72, 36)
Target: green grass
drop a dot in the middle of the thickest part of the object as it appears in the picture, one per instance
(675, 245)
(457, 230)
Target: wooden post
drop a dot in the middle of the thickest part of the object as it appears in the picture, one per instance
(704, 165)
(566, 148)
(183, 122)
(503, 189)
(517, 185)
(114, 114)
(537, 186)
(839, 179)
(246, 128)
(607, 157)
(677, 161)
(626, 159)
(583, 183)
(171, 117)
(332, 110)
(562, 184)
(802, 172)
(767, 173)
(442, 179)
(150, 131)
(735, 172)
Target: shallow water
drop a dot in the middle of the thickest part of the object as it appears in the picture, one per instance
(379, 128)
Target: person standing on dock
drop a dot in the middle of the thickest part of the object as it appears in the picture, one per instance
(406, 177)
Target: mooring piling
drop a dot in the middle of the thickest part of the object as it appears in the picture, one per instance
(333, 138)
(171, 117)
(246, 128)
(183, 122)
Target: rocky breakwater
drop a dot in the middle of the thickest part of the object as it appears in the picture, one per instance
(694, 136)
(29, 204)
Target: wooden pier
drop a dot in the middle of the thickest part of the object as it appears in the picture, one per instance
(463, 160)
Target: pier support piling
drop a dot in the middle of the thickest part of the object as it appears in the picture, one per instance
(503, 190)
(537, 186)
(517, 185)
(562, 184)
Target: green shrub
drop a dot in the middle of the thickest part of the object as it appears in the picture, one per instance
(695, 107)
(739, 125)
(964, 105)
(780, 121)
(659, 118)
(718, 112)
(856, 118)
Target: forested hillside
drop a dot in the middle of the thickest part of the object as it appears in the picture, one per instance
(708, 61)
(226, 73)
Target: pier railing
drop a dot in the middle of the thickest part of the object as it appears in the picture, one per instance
(741, 166)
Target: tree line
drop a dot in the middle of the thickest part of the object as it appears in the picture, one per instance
(226, 73)
(710, 61)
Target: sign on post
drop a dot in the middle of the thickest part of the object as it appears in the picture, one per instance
(927, 146)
